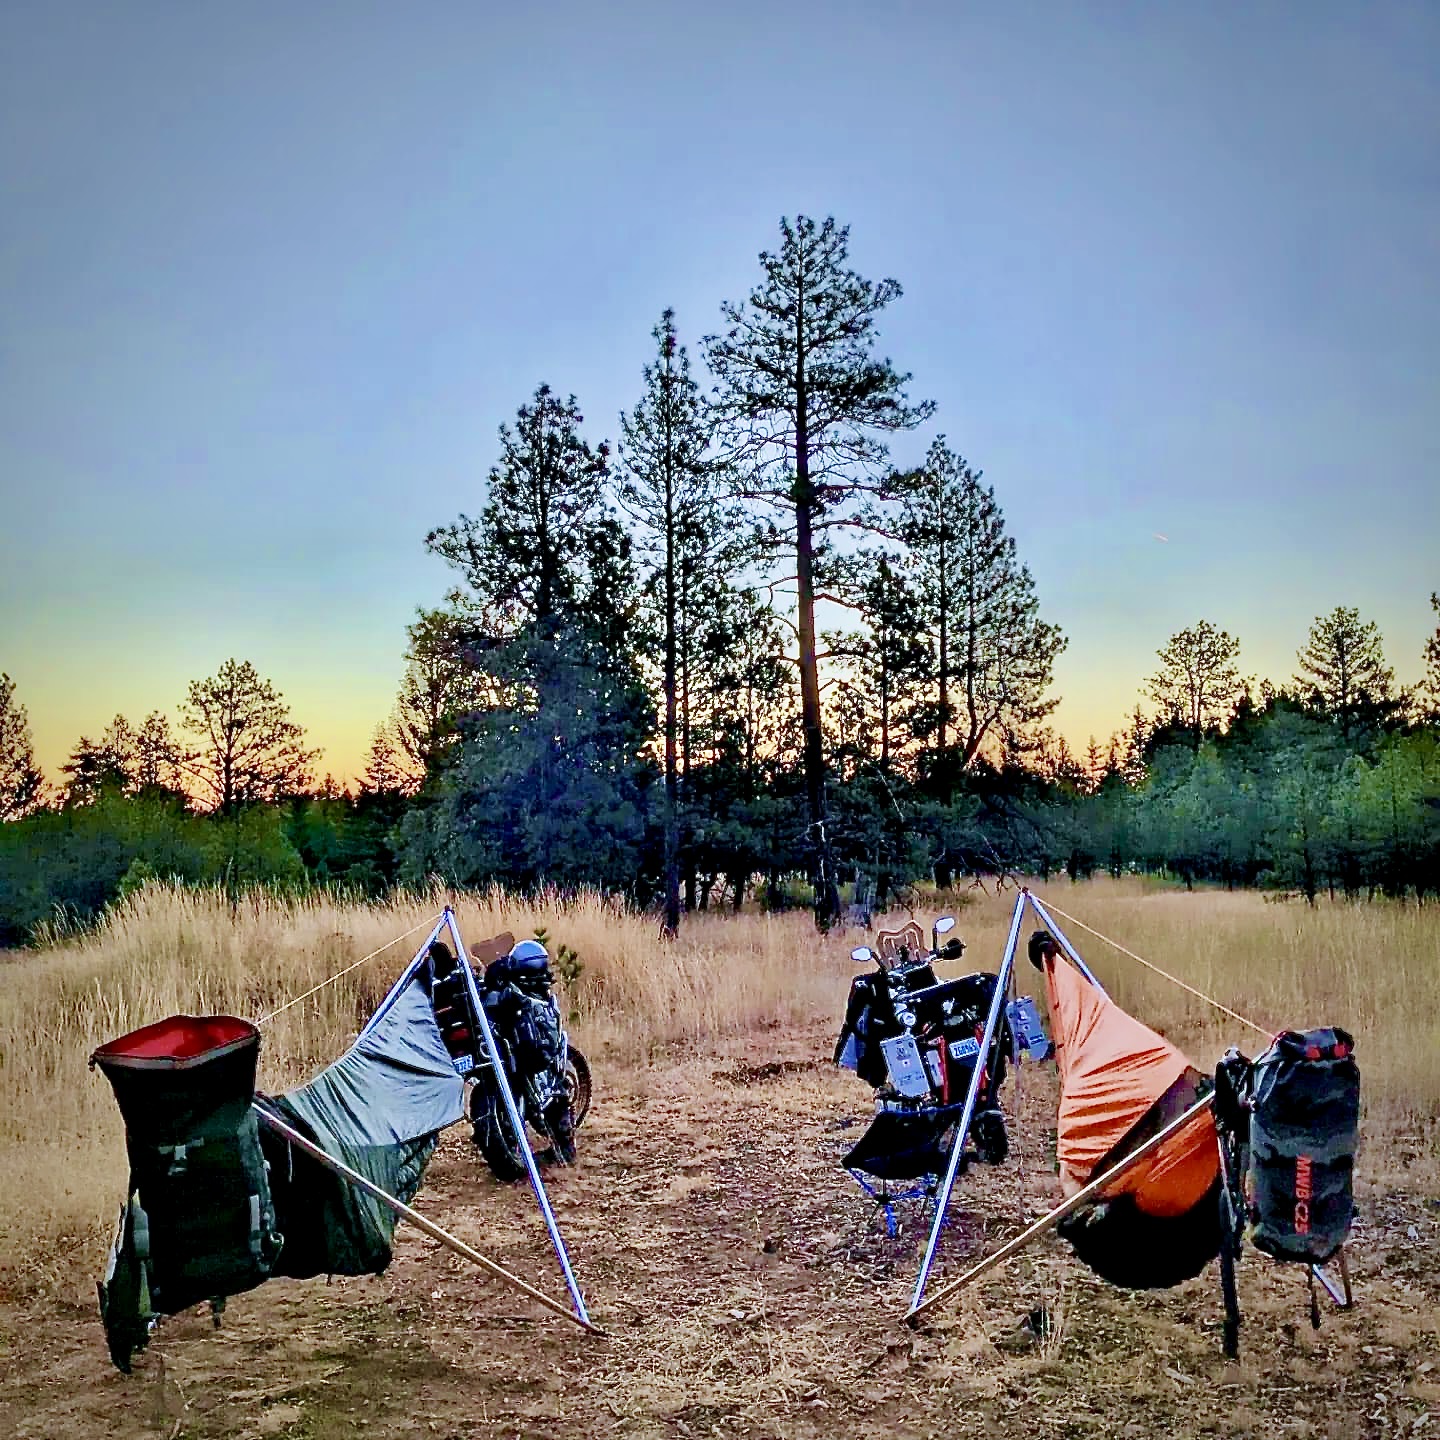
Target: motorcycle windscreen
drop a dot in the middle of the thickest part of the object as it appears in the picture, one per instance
(379, 1109)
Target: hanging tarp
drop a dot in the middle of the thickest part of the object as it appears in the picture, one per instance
(378, 1109)
(215, 1204)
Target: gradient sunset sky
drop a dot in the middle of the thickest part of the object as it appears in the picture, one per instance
(272, 274)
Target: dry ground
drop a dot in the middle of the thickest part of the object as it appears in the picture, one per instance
(748, 1290)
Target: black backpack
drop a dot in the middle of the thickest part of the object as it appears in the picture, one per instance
(1304, 1131)
(199, 1223)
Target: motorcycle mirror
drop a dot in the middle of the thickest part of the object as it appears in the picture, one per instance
(861, 953)
(945, 924)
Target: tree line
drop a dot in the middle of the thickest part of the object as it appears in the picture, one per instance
(740, 655)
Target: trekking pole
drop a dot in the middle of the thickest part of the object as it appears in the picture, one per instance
(430, 1228)
(1050, 1221)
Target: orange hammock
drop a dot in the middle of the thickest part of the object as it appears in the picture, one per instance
(1119, 1082)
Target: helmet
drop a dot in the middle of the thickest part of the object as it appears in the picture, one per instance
(527, 961)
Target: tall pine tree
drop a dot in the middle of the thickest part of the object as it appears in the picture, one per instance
(806, 400)
(546, 785)
(669, 488)
(1343, 671)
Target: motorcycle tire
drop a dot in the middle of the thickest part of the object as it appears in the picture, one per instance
(577, 1086)
(492, 1136)
(992, 1140)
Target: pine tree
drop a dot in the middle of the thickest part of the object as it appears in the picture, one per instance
(549, 768)
(107, 765)
(1197, 682)
(993, 656)
(1343, 670)
(22, 786)
(546, 501)
(669, 488)
(1431, 683)
(385, 771)
(250, 751)
(156, 763)
(439, 687)
(804, 399)
(888, 660)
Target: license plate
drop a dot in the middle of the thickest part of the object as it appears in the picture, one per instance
(464, 1063)
(964, 1049)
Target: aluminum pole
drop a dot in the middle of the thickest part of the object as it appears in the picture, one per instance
(997, 1005)
(513, 1111)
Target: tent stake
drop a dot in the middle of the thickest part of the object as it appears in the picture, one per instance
(1050, 1221)
(429, 1227)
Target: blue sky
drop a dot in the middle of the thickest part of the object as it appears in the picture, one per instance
(272, 275)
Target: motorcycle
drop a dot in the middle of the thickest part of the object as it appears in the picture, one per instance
(549, 1076)
(916, 1040)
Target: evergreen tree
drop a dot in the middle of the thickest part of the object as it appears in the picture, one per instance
(993, 656)
(669, 489)
(385, 771)
(22, 786)
(1197, 682)
(804, 399)
(1343, 670)
(250, 751)
(91, 770)
(110, 764)
(1430, 686)
(155, 763)
(440, 686)
(888, 661)
(523, 559)
(546, 784)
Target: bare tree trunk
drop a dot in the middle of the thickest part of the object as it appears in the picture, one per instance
(827, 898)
(672, 786)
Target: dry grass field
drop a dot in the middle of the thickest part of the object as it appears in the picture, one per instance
(746, 1285)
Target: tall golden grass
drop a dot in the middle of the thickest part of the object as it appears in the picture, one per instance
(1375, 970)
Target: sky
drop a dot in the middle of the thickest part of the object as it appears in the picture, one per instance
(272, 275)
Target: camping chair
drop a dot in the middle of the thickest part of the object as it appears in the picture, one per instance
(902, 1145)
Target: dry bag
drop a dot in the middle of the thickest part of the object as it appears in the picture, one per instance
(1304, 1128)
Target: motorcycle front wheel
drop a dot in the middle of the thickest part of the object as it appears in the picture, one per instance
(577, 1086)
(491, 1133)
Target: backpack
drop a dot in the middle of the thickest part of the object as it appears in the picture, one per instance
(199, 1223)
(1304, 1131)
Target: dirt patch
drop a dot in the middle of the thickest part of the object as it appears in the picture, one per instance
(749, 1290)
(748, 1074)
